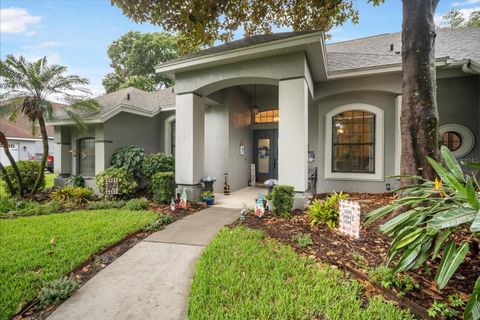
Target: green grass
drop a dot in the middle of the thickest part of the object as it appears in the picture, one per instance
(28, 260)
(242, 275)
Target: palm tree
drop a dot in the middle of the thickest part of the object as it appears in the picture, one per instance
(28, 89)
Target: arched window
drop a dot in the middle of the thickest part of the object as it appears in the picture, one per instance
(354, 143)
(170, 127)
(267, 116)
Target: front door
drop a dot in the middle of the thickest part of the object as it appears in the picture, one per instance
(266, 154)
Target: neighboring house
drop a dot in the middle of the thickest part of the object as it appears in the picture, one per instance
(292, 105)
(127, 117)
(22, 144)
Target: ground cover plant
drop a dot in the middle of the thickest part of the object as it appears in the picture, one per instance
(243, 275)
(37, 250)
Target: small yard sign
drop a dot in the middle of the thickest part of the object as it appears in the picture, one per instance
(349, 221)
(111, 186)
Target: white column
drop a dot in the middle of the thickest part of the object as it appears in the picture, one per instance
(293, 134)
(62, 154)
(189, 142)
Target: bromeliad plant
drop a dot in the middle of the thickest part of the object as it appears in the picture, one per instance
(433, 211)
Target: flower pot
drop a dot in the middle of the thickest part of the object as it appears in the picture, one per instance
(209, 201)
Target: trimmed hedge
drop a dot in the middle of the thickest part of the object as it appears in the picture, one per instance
(282, 198)
(157, 162)
(163, 187)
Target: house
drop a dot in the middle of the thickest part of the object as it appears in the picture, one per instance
(291, 105)
(23, 145)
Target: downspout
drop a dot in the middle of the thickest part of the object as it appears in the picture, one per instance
(467, 68)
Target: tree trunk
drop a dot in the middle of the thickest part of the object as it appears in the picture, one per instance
(16, 172)
(43, 131)
(7, 180)
(419, 117)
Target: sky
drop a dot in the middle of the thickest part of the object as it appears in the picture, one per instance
(76, 33)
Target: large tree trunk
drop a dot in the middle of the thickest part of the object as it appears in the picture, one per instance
(16, 172)
(43, 131)
(419, 117)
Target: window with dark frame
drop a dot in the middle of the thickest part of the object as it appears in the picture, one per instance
(353, 142)
(267, 116)
(86, 157)
(172, 138)
(452, 140)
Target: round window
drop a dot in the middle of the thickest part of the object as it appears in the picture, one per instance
(459, 139)
(452, 140)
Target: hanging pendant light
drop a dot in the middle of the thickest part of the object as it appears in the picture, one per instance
(255, 107)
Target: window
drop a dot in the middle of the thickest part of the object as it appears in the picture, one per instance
(459, 139)
(86, 157)
(267, 116)
(170, 129)
(353, 142)
(452, 140)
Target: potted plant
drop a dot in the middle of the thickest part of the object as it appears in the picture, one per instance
(208, 197)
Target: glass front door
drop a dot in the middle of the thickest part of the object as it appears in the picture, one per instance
(266, 154)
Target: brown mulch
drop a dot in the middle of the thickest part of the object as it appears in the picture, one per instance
(339, 250)
(101, 259)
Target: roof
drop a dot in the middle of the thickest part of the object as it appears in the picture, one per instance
(456, 44)
(129, 100)
(242, 43)
(22, 127)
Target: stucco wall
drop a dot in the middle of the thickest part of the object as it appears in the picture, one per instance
(383, 100)
(458, 102)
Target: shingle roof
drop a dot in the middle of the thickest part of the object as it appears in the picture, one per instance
(148, 102)
(242, 43)
(457, 44)
(22, 127)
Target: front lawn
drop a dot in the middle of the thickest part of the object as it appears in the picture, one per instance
(35, 250)
(243, 275)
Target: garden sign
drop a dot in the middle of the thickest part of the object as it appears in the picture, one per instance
(349, 221)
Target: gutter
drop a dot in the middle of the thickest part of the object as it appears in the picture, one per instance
(471, 67)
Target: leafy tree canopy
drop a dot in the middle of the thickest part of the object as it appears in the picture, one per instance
(134, 57)
(201, 22)
(454, 19)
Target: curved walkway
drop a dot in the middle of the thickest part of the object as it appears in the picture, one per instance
(151, 280)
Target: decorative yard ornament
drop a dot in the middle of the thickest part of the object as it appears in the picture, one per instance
(111, 186)
(259, 208)
(172, 205)
(183, 199)
(242, 214)
(349, 219)
(226, 185)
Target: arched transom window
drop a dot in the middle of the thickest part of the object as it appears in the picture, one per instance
(267, 116)
(354, 143)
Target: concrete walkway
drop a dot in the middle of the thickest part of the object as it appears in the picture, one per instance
(151, 280)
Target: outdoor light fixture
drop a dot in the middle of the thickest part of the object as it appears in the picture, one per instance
(255, 107)
(388, 187)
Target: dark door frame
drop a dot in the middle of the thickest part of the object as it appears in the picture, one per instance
(271, 134)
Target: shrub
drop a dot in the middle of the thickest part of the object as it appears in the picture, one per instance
(28, 171)
(77, 181)
(163, 186)
(326, 210)
(56, 291)
(157, 162)
(72, 194)
(7, 204)
(282, 197)
(105, 204)
(129, 158)
(385, 276)
(30, 208)
(163, 220)
(303, 240)
(431, 212)
(137, 204)
(126, 183)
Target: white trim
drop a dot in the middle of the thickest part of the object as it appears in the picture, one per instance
(379, 144)
(168, 136)
(28, 139)
(468, 139)
(398, 134)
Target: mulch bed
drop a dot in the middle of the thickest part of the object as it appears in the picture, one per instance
(103, 258)
(339, 250)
